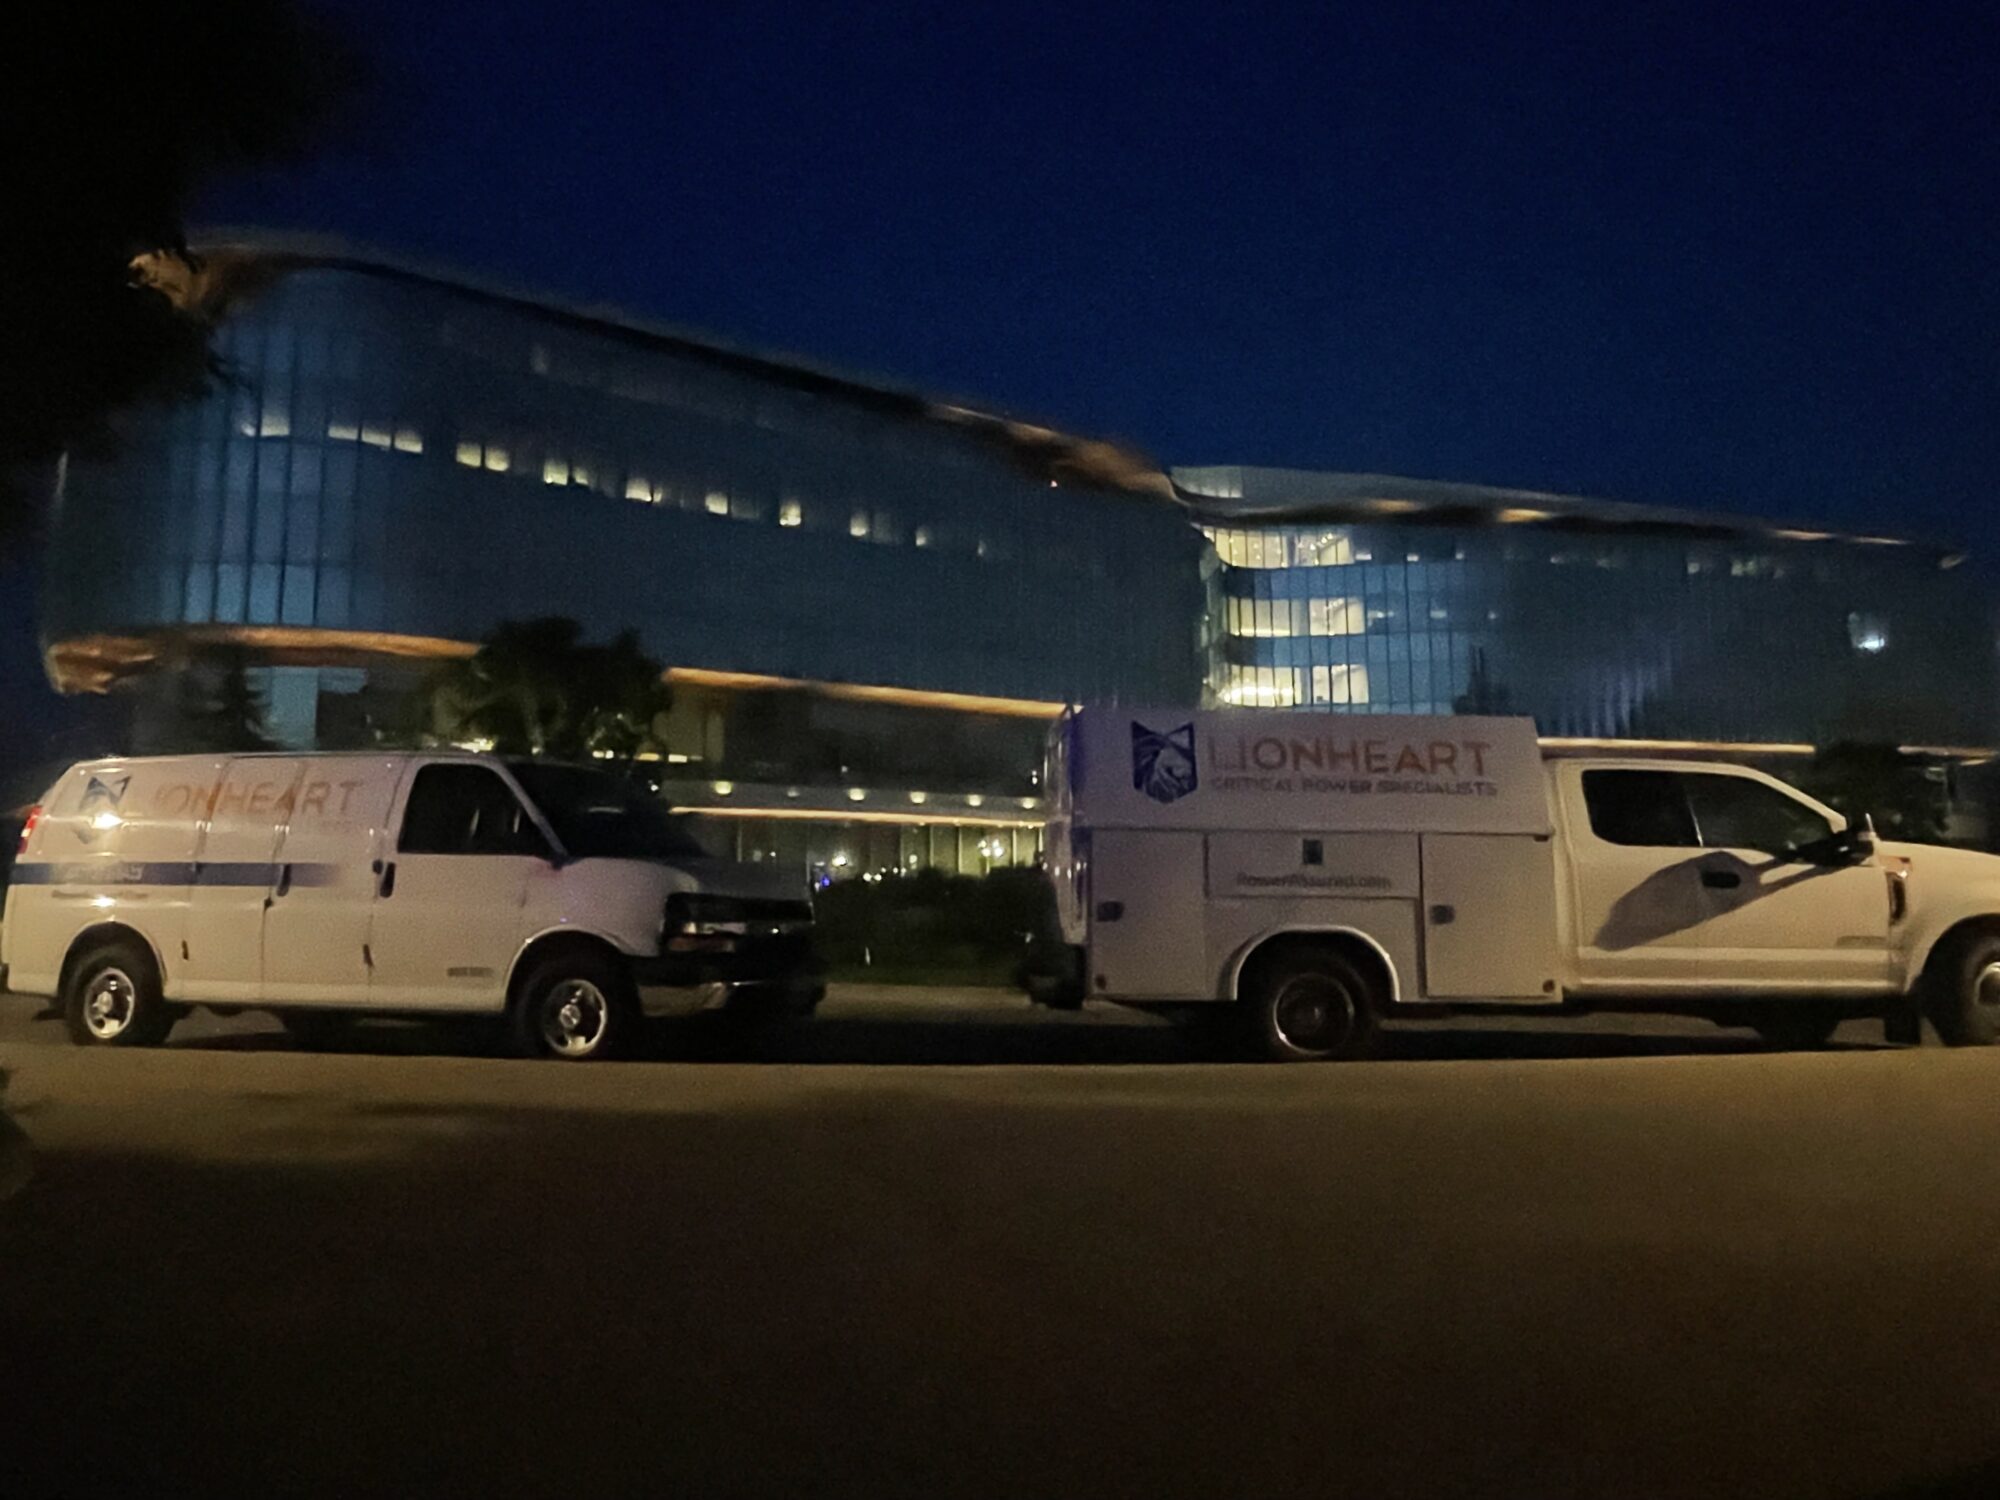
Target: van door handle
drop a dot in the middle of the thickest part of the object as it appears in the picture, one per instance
(1721, 880)
(387, 888)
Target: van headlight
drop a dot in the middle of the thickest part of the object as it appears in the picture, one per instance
(706, 916)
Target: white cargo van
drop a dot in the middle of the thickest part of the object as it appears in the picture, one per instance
(1306, 875)
(330, 886)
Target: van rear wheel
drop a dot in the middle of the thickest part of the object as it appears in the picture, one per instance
(113, 998)
(1309, 1004)
(574, 1006)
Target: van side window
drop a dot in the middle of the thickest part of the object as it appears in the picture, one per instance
(1734, 812)
(466, 810)
(1643, 808)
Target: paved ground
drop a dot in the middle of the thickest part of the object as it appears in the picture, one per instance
(1571, 1261)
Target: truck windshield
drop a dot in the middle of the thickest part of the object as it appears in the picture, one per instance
(598, 816)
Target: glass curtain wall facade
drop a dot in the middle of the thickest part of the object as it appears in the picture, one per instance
(392, 455)
(1599, 623)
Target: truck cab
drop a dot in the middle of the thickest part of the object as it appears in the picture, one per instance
(1310, 875)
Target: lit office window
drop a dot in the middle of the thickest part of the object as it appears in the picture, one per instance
(1324, 549)
(343, 430)
(857, 526)
(922, 536)
(1259, 687)
(1335, 617)
(469, 454)
(580, 474)
(555, 470)
(409, 440)
(376, 435)
(496, 459)
(1868, 633)
(716, 503)
(276, 421)
(640, 488)
(790, 513)
(1340, 684)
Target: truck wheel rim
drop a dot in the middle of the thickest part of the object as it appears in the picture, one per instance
(1986, 987)
(1313, 1013)
(574, 1017)
(110, 1003)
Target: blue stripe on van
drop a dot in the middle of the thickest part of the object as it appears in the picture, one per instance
(164, 872)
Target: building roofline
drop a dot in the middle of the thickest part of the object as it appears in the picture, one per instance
(228, 260)
(1321, 495)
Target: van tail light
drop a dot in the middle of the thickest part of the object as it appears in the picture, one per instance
(28, 829)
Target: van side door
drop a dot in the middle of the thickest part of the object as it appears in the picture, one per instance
(447, 916)
(234, 870)
(323, 897)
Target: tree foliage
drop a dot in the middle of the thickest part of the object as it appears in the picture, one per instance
(218, 707)
(120, 115)
(1897, 790)
(536, 688)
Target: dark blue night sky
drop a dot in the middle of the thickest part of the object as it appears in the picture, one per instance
(1734, 256)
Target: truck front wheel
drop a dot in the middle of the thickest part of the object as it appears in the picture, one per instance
(1962, 988)
(1309, 1004)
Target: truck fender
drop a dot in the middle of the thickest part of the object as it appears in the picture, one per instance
(1233, 975)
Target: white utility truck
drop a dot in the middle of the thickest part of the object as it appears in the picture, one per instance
(330, 886)
(1307, 875)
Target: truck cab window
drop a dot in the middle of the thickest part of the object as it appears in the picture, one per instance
(466, 810)
(1734, 812)
(1647, 809)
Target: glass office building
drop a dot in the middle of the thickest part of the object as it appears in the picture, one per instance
(857, 587)
(872, 601)
(1364, 593)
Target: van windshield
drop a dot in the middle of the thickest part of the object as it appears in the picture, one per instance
(599, 816)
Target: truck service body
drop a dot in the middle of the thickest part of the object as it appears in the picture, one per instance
(1322, 871)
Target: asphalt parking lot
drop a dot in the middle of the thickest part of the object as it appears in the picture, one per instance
(938, 1242)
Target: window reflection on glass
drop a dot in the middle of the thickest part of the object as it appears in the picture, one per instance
(496, 459)
(790, 513)
(716, 503)
(470, 454)
(1869, 634)
(409, 440)
(276, 421)
(922, 536)
(857, 526)
(555, 470)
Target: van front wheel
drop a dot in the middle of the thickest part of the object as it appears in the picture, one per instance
(574, 1007)
(113, 999)
(1310, 1005)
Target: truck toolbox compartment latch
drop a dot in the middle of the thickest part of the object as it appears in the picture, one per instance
(1443, 916)
(1110, 911)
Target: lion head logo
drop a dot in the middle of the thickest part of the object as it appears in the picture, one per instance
(1163, 762)
(100, 796)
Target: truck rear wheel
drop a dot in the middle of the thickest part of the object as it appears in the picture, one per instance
(1962, 989)
(113, 998)
(1309, 1004)
(576, 1005)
